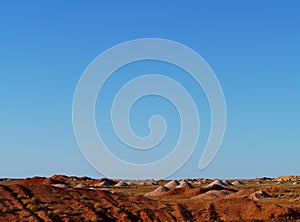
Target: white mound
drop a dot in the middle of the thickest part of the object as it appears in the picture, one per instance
(171, 184)
(130, 183)
(121, 184)
(103, 184)
(82, 185)
(259, 195)
(184, 184)
(217, 182)
(227, 183)
(158, 191)
(154, 183)
(147, 182)
(60, 185)
(237, 183)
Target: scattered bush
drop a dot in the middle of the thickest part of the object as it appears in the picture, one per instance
(84, 197)
(65, 198)
(20, 196)
(201, 211)
(66, 212)
(94, 219)
(26, 201)
(97, 205)
(56, 212)
(4, 210)
(12, 209)
(26, 214)
(32, 207)
(163, 207)
(77, 212)
(100, 210)
(124, 215)
(34, 200)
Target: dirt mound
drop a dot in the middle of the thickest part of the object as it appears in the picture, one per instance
(213, 194)
(185, 192)
(130, 183)
(158, 191)
(147, 182)
(104, 184)
(172, 184)
(121, 184)
(227, 183)
(101, 182)
(60, 185)
(217, 182)
(188, 192)
(215, 187)
(237, 183)
(241, 194)
(83, 186)
(259, 195)
(184, 183)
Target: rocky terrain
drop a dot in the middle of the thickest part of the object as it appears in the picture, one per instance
(63, 198)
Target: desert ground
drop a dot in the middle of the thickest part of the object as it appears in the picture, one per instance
(67, 198)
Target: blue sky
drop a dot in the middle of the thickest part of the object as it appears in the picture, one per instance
(252, 46)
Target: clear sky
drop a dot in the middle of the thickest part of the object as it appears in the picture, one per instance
(252, 46)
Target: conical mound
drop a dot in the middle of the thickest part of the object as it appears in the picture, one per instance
(121, 184)
(82, 185)
(171, 184)
(227, 183)
(104, 183)
(259, 195)
(237, 183)
(158, 191)
(184, 184)
(217, 182)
